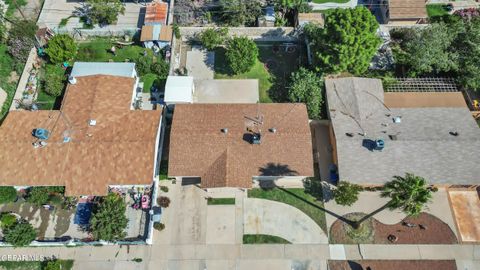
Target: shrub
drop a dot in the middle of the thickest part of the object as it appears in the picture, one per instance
(21, 234)
(212, 38)
(144, 64)
(241, 54)
(160, 68)
(54, 80)
(7, 194)
(346, 193)
(61, 48)
(176, 31)
(158, 226)
(105, 11)
(137, 260)
(163, 201)
(53, 265)
(164, 188)
(7, 220)
(38, 195)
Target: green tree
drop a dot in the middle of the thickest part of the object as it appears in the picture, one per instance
(38, 195)
(241, 54)
(61, 48)
(212, 38)
(347, 43)
(161, 69)
(468, 47)
(428, 49)
(306, 87)
(346, 193)
(7, 220)
(144, 64)
(7, 194)
(53, 265)
(109, 220)
(54, 80)
(105, 11)
(20, 234)
(240, 12)
(409, 193)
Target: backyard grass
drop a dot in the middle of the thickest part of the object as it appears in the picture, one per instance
(263, 239)
(98, 50)
(434, 10)
(296, 197)
(272, 69)
(22, 265)
(220, 201)
(46, 101)
(6, 66)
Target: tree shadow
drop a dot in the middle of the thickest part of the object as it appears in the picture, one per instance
(277, 169)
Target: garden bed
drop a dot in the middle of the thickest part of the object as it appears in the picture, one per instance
(435, 231)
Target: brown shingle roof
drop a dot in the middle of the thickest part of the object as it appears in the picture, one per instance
(156, 12)
(424, 99)
(407, 9)
(198, 147)
(119, 149)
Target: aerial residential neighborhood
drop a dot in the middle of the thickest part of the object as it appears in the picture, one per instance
(240, 134)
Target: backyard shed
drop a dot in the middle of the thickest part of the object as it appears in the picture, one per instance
(156, 35)
(156, 13)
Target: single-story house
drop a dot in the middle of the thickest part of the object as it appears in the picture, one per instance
(240, 145)
(183, 89)
(376, 135)
(95, 141)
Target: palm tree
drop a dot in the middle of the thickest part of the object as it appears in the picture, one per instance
(409, 193)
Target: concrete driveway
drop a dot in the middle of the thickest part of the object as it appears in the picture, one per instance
(274, 218)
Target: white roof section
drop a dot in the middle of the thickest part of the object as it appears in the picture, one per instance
(226, 91)
(81, 69)
(179, 89)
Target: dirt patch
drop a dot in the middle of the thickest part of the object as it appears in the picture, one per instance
(392, 265)
(431, 231)
(466, 209)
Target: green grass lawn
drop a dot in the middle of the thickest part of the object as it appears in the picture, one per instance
(263, 239)
(98, 50)
(296, 197)
(46, 101)
(434, 10)
(6, 66)
(272, 69)
(14, 265)
(220, 201)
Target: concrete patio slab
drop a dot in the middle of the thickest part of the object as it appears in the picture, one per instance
(466, 207)
(279, 219)
(200, 64)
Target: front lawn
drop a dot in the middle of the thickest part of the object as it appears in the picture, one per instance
(434, 10)
(221, 201)
(296, 197)
(273, 68)
(263, 239)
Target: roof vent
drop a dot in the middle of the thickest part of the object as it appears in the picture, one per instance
(393, 137)
(397, 119)
(92, 122)
(224, 130)
(273, 130)
(41, 133)
(454, 133)
(72, 80)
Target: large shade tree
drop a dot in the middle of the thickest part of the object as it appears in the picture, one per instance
(104, 11)
(109, 220)
(306, 86)
(347, 43)
(61, 48)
